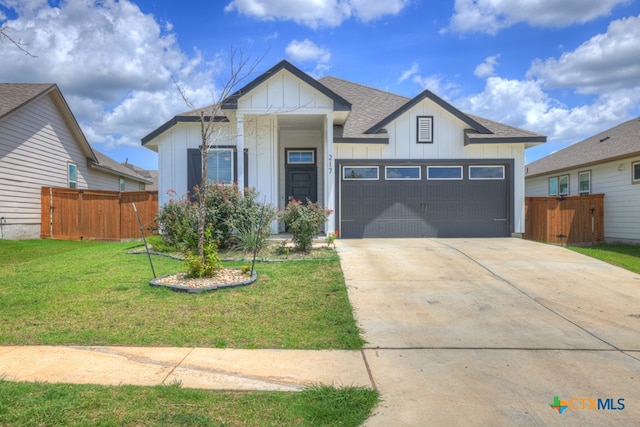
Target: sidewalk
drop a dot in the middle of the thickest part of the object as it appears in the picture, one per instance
(203, 368)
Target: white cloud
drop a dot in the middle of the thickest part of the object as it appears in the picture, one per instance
(438, 85)
(410, 72)
(306, 50)
(317, 13)
(490, 16)
(605, 62)
(114, 65)
(488, 67)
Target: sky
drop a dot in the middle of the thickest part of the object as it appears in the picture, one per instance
(565, 69)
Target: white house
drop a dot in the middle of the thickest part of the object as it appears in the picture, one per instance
(388, 166)
(607, 163)
(41, 144)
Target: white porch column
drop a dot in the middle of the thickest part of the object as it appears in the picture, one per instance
(329, 175)
(240, 151)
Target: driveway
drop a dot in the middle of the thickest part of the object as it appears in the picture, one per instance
(489, 331)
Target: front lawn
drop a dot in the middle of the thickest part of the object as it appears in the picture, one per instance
(625, 256)
(94, 293)
(25, 404)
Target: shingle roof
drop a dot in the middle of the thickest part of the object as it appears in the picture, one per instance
(615, 143)
(107, 163)
(15, 95)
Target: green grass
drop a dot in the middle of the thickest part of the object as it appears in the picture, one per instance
(94, 293)
(28, 404)
(621, 255)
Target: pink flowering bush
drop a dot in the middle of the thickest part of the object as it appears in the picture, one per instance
(304, 221)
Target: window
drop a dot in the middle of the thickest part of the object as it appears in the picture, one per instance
(584, 182)
(402, 172)
(141, 186)
(563, 185)
(220, 165)
(121, 183)
(360, 172)
(72, 175)
(425, 129)
(635, 170)
(486, 172)
(444, 172)
(553, 186)
(301, 157)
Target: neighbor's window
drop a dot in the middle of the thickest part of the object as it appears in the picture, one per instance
(220, 165)
(121, 184)
(635, 170)
(300, 157)
(444, 172)
(72, 175)
(141, 186)
(563, 185)
(402, 172)
(584, 182)
(360, 172)
(486, 172)
(425, 129)
(553, 186)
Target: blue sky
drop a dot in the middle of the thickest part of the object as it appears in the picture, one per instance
(566, 69)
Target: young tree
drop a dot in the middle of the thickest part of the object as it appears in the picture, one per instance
(240, 68)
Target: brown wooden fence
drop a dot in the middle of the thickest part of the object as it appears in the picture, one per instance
(95, 215)
(565, 220)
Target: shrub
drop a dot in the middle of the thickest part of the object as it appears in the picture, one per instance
(304, 221)
(178, 222)
(196, 266)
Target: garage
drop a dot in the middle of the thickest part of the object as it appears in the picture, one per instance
(425, 199)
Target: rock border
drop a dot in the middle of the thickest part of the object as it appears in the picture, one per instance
(192, 290)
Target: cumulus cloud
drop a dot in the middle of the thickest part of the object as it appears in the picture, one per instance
(605, 62)
(115, 65)
(487, 68)
(438, 85)
(307, 51)
(490, 16)
(317, 13)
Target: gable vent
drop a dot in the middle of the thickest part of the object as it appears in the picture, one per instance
(425, 129)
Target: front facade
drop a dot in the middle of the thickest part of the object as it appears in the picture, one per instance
(41, 144)
(607, 163)
(386, 165)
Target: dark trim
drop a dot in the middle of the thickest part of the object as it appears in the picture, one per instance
(286, 155)
(427, 94)
(339, 103)
(418, 129)
(179, 119)
(361, 140)
(468, 139)
(509, 165)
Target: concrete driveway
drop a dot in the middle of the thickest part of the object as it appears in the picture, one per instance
(489, 331)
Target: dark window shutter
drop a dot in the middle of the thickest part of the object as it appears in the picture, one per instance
(246, 167)
(194, 169)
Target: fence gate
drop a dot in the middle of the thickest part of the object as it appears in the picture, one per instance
(565, 220)
(96, 215)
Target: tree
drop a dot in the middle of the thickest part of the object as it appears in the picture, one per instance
(240, 68)
(4, 35)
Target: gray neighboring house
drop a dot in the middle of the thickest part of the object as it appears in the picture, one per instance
(607, 163)
(386, 165)
(42, 145)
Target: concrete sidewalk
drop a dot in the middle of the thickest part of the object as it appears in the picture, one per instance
(204, 368)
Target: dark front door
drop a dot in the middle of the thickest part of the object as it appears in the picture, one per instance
(301, 182)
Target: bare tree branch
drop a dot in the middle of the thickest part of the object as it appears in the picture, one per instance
(4, 35)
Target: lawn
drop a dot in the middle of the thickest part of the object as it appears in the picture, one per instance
(26, 404)
(95, 293)
(625, 256)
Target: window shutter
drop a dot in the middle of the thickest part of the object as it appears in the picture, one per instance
(194, 169)
(425, 129)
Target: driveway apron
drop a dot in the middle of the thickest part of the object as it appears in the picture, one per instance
(489, 331)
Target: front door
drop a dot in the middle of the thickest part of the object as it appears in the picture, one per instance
(301, 175)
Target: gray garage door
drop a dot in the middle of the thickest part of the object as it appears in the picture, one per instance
(428, 200)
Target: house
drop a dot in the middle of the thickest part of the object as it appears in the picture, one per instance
(41, 144)
(607, 163)
(388, 166)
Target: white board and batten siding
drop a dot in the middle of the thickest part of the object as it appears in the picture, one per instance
(448, 143)
(621, 200)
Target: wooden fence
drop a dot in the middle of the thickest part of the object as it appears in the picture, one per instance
(95, 215)
(565, 220)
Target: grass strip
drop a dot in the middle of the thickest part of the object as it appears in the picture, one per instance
(621, 255)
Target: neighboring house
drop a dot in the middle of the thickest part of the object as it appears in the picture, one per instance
(388, 166)
(41, 144)
(607, 163)
(149, 175)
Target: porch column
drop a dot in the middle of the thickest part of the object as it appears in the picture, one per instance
(329, 175)
(240, 152)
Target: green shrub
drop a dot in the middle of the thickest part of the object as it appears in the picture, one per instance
(304, 221)
(196, 267)
(178, 221)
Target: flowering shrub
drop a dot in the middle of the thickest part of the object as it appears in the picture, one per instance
(304, 221)
(331, 238)
(178, 221)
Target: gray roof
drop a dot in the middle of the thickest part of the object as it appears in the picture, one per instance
(15, 95)
(618, 142)
(109, 165)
